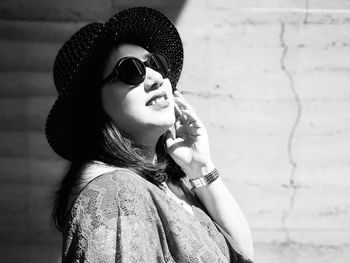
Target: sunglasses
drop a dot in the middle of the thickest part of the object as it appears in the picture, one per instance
(132, 71)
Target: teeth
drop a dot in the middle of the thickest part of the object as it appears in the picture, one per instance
(160, 99)
(157, 100)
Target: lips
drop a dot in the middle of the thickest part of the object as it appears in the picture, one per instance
(158, 98)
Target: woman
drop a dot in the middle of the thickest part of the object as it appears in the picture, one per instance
(136, 147)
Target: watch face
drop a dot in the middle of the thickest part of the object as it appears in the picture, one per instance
(199, 182)
(206, 179)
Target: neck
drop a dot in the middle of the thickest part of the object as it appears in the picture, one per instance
(149, 142)
(150, 152)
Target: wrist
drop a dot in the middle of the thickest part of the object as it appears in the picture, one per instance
(205, 180)
(200, 170)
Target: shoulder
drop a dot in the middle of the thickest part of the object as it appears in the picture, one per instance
(114, 206)
(119, 180)
(119, 191)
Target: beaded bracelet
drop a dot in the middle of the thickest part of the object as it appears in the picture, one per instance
(205, 180)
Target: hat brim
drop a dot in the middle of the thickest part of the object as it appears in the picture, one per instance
(58, 127)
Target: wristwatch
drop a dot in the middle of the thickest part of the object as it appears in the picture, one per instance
(205, 180)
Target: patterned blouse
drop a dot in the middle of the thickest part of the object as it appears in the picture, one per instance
(121, 217)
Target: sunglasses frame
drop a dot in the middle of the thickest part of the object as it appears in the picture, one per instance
(144, 64)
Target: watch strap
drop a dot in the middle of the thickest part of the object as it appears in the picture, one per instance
(205, 180)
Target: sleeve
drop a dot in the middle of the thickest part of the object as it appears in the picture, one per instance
(140, 234)
(137, 241)
(116, 223)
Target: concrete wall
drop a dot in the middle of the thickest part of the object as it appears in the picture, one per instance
(271, 82)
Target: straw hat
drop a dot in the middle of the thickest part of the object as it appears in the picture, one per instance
(143, 26)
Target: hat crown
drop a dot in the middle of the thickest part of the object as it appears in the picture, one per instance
(74, 54)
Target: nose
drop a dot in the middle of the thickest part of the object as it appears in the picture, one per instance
(153, 79)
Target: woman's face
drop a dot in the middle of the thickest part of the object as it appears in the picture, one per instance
(144, 111)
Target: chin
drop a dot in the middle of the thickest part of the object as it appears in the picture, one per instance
(164, 118)
(163, 125)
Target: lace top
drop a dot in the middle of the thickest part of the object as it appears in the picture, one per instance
(121, 217)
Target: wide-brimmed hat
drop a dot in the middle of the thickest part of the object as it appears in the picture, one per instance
(143, 26)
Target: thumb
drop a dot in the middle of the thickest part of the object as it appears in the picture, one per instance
(169, 138)
(172, 142)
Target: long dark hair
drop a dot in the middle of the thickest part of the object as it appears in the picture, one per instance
(95, 137)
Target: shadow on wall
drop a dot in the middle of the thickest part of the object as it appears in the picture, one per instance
(75, 11)
(31, 32)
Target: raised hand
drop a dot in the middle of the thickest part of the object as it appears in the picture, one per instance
(189, 147)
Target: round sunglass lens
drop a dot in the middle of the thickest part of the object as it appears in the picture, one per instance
(160, 63)
(131, 71)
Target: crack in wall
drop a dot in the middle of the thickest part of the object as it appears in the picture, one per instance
(307, 4)
(291, 184)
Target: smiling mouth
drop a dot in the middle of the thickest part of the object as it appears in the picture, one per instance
(157, 100)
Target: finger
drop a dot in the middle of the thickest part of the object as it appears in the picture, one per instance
(169, 135)
(180, 97)
(179, 122)
(192, 118)
(188, 115)
(170, 140)
(189, 132)
(182, 104)
(177, 94)
(177, 111)
(178, 114)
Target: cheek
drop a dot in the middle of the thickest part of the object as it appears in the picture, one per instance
(121, 105)
(111, 101)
